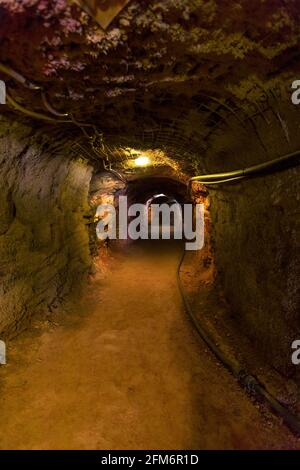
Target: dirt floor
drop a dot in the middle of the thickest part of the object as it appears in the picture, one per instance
(124, 369)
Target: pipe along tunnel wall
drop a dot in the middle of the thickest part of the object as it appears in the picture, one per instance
(45, 241)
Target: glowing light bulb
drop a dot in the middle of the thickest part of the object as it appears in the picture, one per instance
(142, 161)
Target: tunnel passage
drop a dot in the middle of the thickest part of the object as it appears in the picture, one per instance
(200, 88)
(158, 190)
(141, 190)
(56, 232)
(164, 228)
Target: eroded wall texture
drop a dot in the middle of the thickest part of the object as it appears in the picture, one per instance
(44, 242)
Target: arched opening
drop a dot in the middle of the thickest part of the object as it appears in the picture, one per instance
(164, 226)
(162, 104)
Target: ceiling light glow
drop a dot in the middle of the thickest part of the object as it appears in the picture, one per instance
(142, 161)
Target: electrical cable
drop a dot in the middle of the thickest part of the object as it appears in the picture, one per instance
(50, 108)
(18, 77)
(287, 161)
(237, 178)
(246, 380)
(33, 114)
(32, 86)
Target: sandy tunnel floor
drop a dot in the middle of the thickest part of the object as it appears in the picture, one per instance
(124, 369)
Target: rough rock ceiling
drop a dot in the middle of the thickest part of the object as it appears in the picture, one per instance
(174, 68)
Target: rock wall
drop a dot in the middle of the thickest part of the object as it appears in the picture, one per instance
(256, 238)
(44, 242)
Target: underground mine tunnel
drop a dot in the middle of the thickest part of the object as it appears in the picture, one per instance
(124, 343)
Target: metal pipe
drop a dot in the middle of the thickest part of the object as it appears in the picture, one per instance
(289, 160)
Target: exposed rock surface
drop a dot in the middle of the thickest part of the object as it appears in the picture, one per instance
(207, 81)
(156, 61)
(44, 243)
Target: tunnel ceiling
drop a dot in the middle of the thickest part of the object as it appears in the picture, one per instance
(168, 71)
